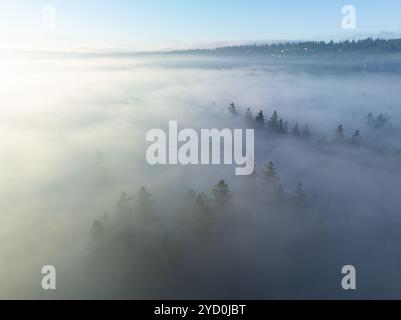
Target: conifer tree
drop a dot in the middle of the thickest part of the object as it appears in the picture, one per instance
(271, 173)
(221, 194)
(356, 138)
(273, 123)
(380, 121)
(260, 119)
(248, 115)
(300, 197)
(295, 131)
(370, 119)
(233, 109)
(144, 199)
(281, 127)
(340, 133)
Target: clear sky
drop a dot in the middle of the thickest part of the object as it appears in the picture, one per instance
(157, 22)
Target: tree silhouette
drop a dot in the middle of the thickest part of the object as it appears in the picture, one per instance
(271, 173)
(339, 133)
(260, 119)
(295, 131)
(248, 115)
(380, 121)
(144, 199)
(300, 199)
(233, 109)
(281, 129)
(273, 123)
(370, 119)
(356, 139)
(221, 194)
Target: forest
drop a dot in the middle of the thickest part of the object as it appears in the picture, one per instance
(215, 228)
(360, 47)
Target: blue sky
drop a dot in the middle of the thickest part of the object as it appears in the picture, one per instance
(154, 22)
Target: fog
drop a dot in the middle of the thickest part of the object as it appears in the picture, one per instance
(73, 140)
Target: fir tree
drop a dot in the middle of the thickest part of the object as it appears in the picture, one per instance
(260, 119)
(273, 123)
(281, 127)
(271, 173)
(144, 199)
(300, 197)
(380, 121)
(356, 138)
(370, 119)
(233, 109)
(295, 131)
(221, 194)
(340, 133)
(248, 115)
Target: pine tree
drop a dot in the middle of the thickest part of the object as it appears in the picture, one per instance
(248, 115)
(281, 127)
(233, 109)
(260, 119)
(271, 173)
(273, 123)
(380, 121)
(340, 133)
(370, 119)
(356, 138)
(144, 199)
(221, 194)
(295, 131)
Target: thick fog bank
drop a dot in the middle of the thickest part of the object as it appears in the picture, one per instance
(77, 192)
